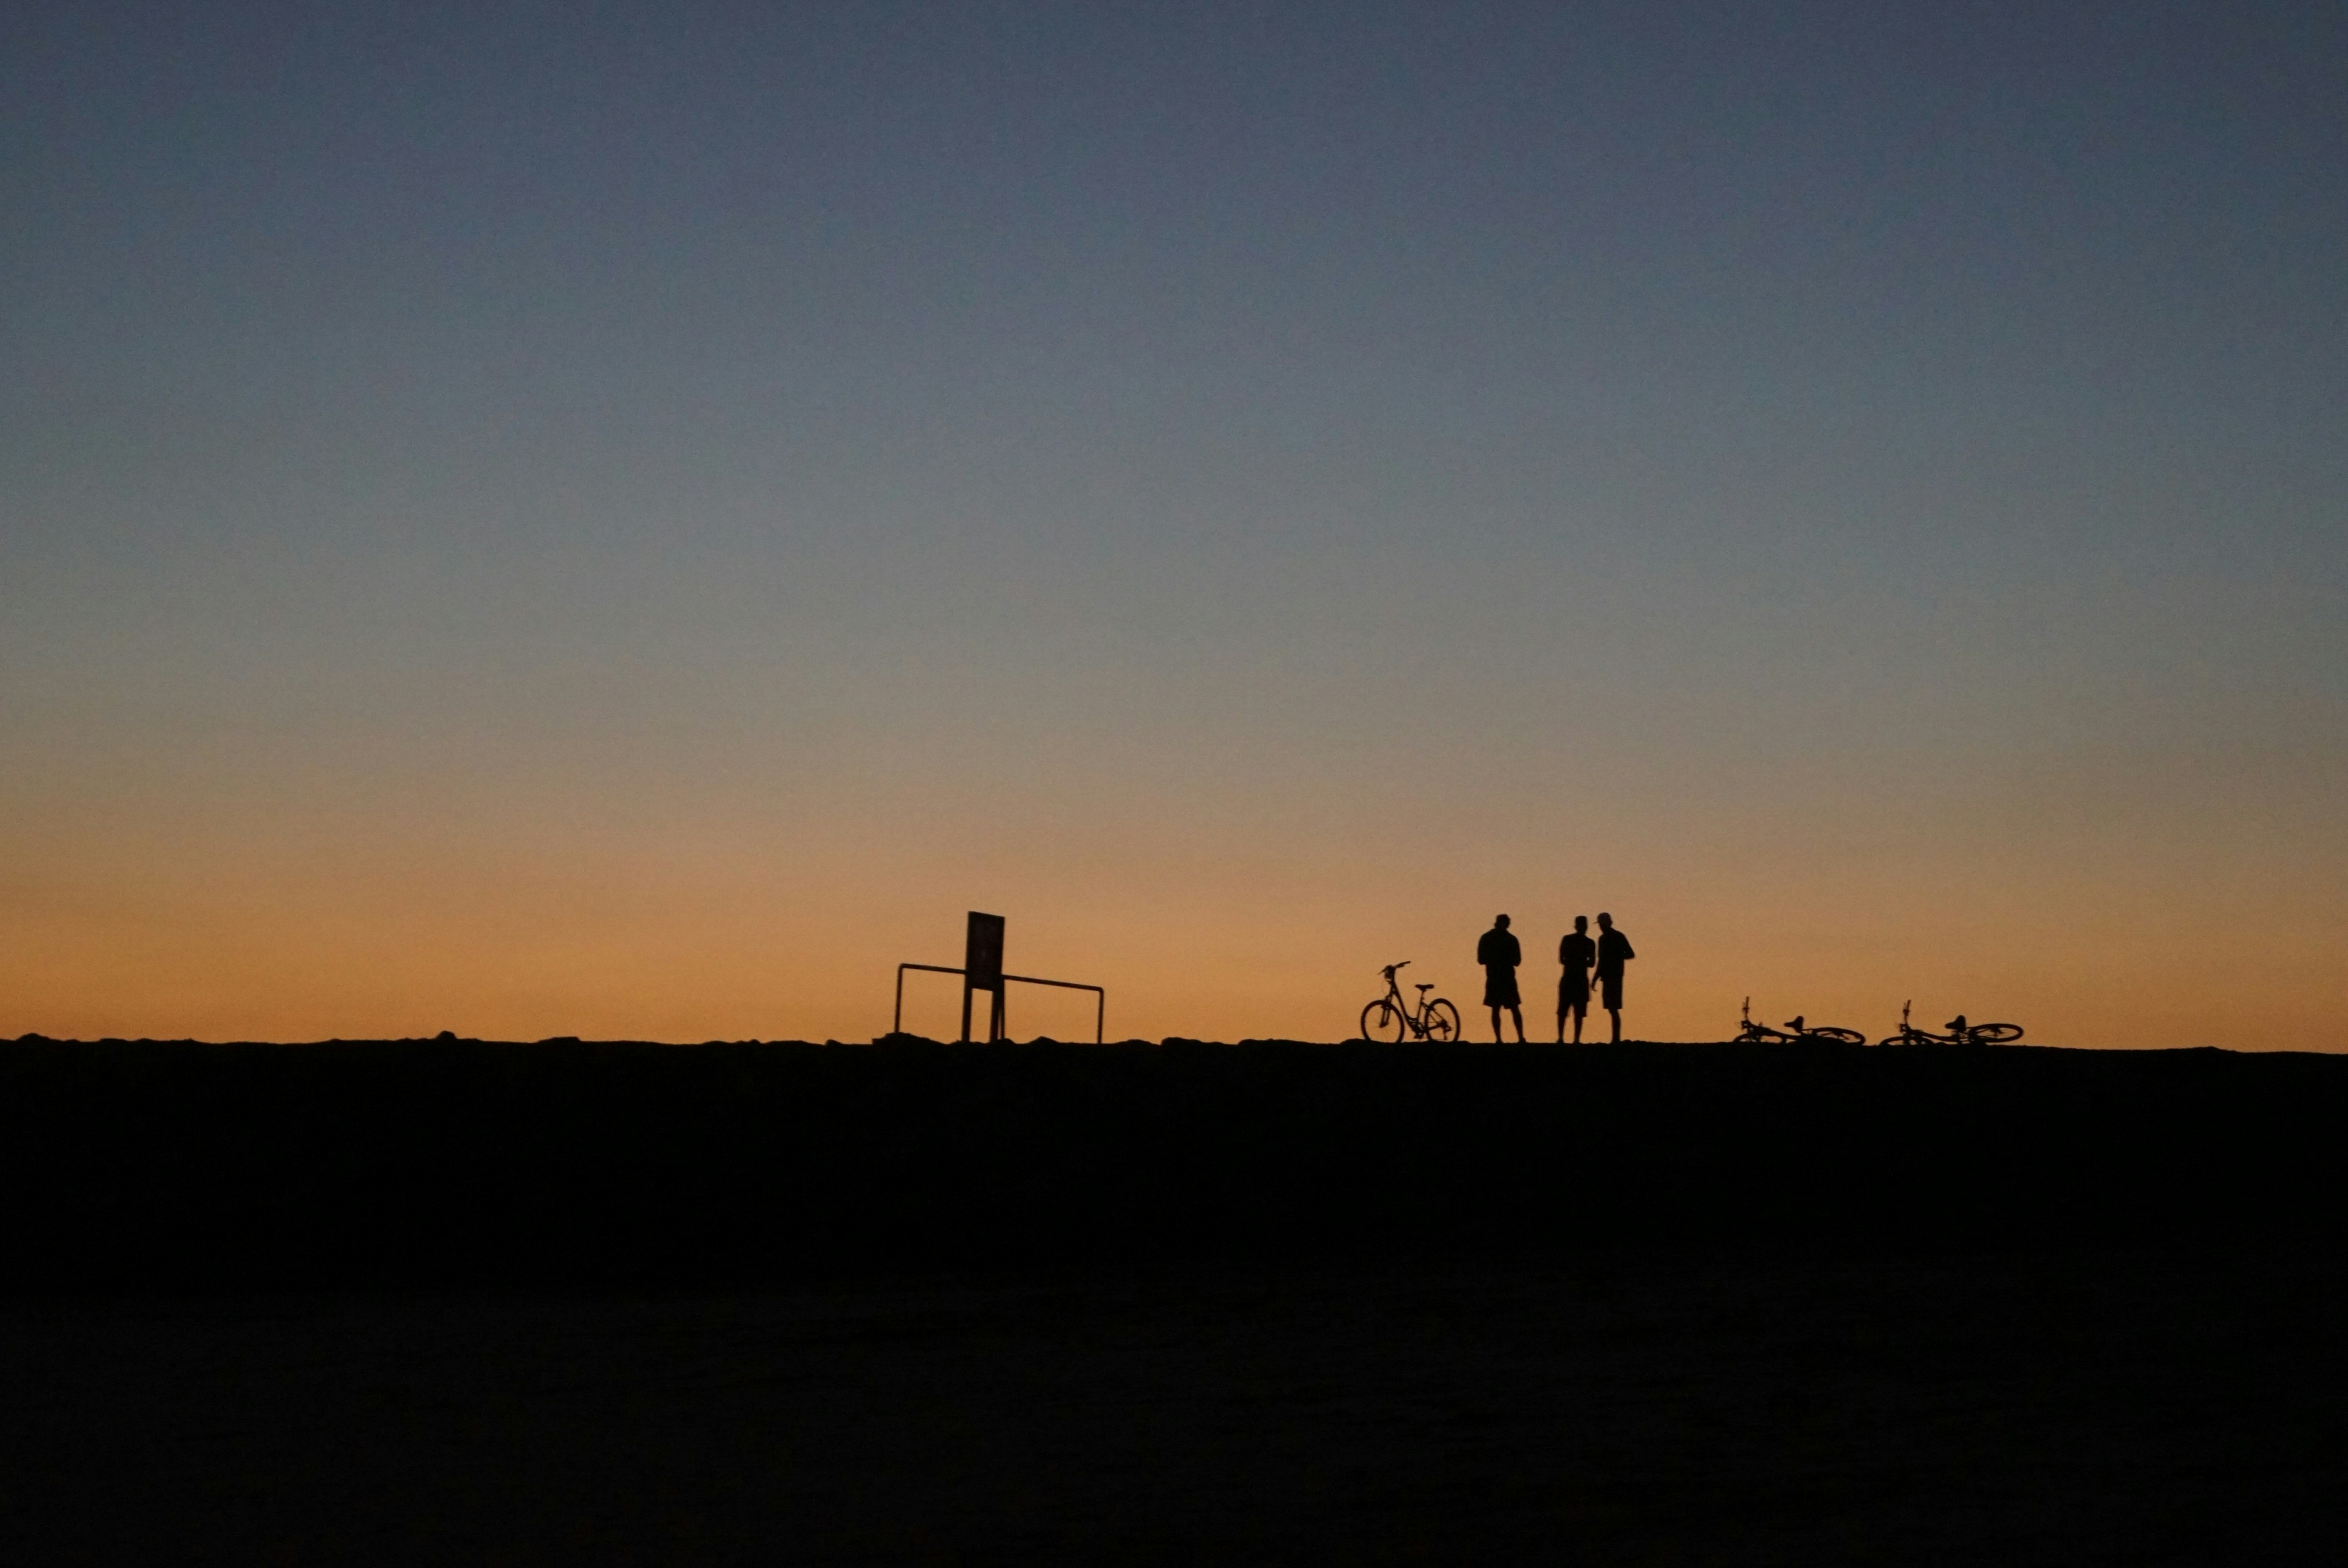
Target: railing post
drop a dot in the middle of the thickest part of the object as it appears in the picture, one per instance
(998, 1022)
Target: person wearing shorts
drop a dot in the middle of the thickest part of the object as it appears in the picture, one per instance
(1499, 953)
(1576, 953)
(1614, 952)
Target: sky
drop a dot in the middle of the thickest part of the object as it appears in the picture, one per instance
(629, 520)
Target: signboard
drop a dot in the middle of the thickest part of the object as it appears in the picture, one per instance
(982, 970)
(982, 954)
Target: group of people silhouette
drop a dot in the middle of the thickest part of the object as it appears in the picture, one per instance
(1580, 954)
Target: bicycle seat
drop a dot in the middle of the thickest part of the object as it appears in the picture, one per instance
(1429, 986)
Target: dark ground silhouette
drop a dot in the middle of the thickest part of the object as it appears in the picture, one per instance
(454, 1301)
(463, 1163)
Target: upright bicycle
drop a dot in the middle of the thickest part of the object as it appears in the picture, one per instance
(1387, 1019)
(1959, 1033)
(1795, 1032)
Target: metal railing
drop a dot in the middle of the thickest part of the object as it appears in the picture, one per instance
(1100, 996)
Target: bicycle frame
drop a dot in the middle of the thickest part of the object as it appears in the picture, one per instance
(1796, 1032)
(1909, 1034)
(1418, 1025)
(1960, 1032)
(1414, 1022)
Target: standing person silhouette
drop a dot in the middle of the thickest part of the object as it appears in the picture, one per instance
(1497, 952)
(1614, 952)
(1576, 953)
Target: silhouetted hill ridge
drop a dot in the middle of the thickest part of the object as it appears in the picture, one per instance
(436, 1162)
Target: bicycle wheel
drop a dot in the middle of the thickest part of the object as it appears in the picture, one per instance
(1837, 1036)
(1997, 1034)
(1382, 1021)
(1442, 1021)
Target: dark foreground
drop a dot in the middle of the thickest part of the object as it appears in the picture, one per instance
(479, 1302)
(460, 1164)
(1997, 1412)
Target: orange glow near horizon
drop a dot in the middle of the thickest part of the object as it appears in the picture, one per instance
(376, 922)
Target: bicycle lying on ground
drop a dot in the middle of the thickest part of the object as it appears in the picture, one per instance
(1387, 1018)
(1959, 1033)
(1795, 1032)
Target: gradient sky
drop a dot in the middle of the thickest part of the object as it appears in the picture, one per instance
(627, 521)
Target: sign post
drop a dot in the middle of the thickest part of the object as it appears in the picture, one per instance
(981, 969)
